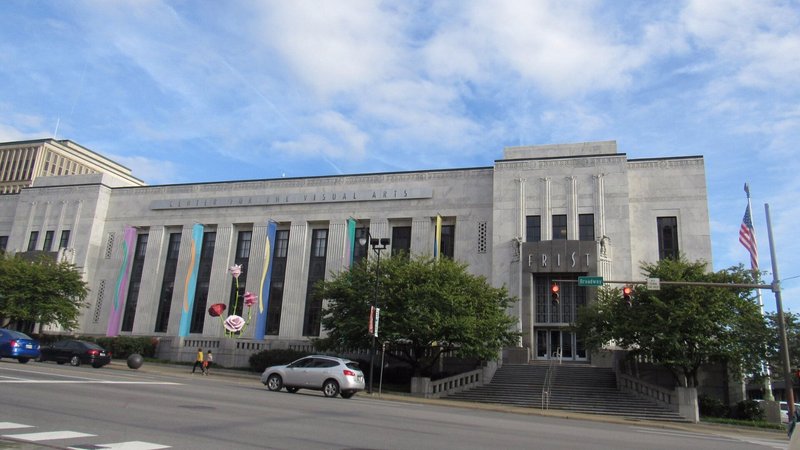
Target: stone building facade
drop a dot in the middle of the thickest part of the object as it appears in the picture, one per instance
(156, 257)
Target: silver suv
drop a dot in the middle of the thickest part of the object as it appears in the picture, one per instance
(333, 376)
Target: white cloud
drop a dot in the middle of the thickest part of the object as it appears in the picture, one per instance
(152, 171)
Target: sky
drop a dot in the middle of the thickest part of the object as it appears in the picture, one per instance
(188, 91)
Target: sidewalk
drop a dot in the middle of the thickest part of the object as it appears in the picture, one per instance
(185, 371)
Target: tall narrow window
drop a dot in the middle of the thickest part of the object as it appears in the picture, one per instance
(360, 251)
(401, 241)
(276, 283)
(135, 282)
(316, 272)
(3, 243)
(203, 276)
(242, 259)
(559, 227)
(448, 240)
(586, 227)
(667, 237)
(168, 283)
(48, 240)
(32, 240)
(64, 242)
(533, 228)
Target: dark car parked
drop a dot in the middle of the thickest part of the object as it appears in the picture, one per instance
(19, 346)
(76, 353)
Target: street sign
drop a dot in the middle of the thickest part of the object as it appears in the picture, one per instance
(590, 281)
(653, 284)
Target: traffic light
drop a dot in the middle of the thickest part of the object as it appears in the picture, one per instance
(626, 295)
(554, 290)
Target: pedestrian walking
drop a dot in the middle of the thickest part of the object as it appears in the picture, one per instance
(198, 362)
(207, 362)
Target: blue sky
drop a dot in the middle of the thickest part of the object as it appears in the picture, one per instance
(192, 91)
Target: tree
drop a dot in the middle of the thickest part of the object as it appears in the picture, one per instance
(427, 307)
(41, 291)
(682, 327)
(774, 350)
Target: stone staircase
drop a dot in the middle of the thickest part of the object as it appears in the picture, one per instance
(577, 387)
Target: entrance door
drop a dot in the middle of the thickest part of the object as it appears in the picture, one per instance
(550, 343)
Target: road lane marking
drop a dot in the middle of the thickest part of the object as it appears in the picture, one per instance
(48, 435)
(85, 382)
(12, 425)
(132, 445)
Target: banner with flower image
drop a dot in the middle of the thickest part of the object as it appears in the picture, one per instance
(266, 276)
(121, 290)
(190, 285)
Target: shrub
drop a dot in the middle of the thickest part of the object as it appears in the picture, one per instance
(265, 358)
(711, 407)
(748, 410)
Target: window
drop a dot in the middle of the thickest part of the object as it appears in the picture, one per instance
(559, 227)
(448, 241)
(243, 245)
(32, 240)
(168, 283)
(48, 241)
(135, 283)
(586, 227)
(667, 237)
(401, 240)
(533, 228)
(3, 243)
(64, 242)
(203, 277)
(316, 272)
(236, 302)
(360, 251)
(275, 300)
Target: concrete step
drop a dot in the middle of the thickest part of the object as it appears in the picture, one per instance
(575, 387)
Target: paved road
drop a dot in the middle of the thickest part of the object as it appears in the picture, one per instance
(44, 405)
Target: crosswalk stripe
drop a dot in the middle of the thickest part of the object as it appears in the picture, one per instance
(12, 425)
(48, 435)
(85, 382)
(131, 445)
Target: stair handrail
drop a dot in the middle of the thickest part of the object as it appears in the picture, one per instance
(549, 377)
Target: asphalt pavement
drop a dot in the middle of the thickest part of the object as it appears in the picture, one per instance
(185, 371)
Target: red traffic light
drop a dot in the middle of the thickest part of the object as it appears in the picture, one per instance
(554, 290)
(626, 295)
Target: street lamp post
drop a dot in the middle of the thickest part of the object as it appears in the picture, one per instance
(377, 245)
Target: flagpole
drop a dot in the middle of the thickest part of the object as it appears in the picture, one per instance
(767, 380)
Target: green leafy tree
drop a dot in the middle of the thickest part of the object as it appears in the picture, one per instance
(427, 307)
(41, 291)
(774, 353)
(682, 326)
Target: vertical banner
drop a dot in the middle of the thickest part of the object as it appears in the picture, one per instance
(350, 243)
(437, 238)
(191, 280)
(121, 290)
(266, 276)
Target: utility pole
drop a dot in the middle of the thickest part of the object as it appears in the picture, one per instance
(776, 288)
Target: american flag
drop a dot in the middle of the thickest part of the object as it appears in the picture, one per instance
(747, 236)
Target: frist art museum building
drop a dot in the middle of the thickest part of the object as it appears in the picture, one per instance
(157, 256)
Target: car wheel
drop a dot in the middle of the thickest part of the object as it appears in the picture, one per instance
(292, 390)
(23, 360)
(75, 361)
(330, 388)
(347, 394)
(274, 382)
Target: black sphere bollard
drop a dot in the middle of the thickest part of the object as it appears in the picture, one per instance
(135, 361)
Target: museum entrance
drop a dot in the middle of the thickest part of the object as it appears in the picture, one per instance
(552, 320)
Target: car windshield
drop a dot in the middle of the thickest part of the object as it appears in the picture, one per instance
(92, 345)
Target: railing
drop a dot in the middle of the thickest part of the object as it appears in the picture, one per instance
(661, 395)
(457, 383)
(549, 377)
